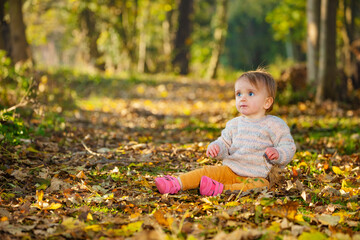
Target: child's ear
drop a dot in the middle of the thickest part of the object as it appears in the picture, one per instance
(268, 102)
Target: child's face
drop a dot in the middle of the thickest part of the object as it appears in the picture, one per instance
(251, 102)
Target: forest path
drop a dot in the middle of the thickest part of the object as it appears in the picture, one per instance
(94, 176)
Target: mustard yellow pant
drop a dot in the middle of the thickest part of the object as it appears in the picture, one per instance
(224, 175)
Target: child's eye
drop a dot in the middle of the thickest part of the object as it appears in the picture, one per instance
(238, 94)
(251, 94)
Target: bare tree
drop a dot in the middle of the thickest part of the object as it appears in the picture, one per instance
(313, 20)
(127, 29)
(219, 37)
(20, 48)
(3, 25)
(142, 20)
(327, 59)
(183, 37)
(168, 36)
(87, 20)
(349, 52)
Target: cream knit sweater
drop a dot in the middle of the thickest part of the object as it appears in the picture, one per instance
(243, 142)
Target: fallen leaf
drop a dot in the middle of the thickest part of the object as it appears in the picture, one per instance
(275, 176)
(57, 184)
(103, 150)
(19, 174)
(126, 230)
(160, 218)
(72, 223)
(338, 171)
(314, 235)
(328, 219)
(81, 175)
(287, 210)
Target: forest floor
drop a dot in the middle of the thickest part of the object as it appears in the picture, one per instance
(88, 172)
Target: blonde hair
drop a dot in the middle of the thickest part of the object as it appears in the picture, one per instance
(264, 78)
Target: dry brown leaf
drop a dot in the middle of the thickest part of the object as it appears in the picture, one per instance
(275, 176)
(57, 184)
(287, 210)
(161, 219)
(19, 174)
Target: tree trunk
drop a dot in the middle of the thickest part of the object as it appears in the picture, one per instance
(167, 36)
(350, 59)
(183, 37)
(128, 31)
(219, 37)
(347, 63)
(313, 19)
(355, 44)
(20, 50)
(142, 36)
(2, 25)
(88, 24)
(327, 59)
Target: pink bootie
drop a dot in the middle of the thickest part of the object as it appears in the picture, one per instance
(209, 187)
(167, 184)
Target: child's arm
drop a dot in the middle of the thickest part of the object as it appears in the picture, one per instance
(220, 147)
(213, 150)
(272, 153)
(284, 147)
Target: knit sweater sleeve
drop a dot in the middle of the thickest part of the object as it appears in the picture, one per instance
(283, 143)
(226, 139)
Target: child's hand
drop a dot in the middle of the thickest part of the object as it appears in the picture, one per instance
(272, 153)
(213, 150)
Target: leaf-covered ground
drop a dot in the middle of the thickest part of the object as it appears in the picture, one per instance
(91, 176)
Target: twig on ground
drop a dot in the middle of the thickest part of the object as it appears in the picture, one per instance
(89, 150)
(23, 102)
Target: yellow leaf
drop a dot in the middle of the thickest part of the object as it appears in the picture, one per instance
(71, 223)
(164, 94)
(53, 206)
(31, 149)
(135, 215)
(337, 170)
(207, 206)
(42, 187)
(342, 214)
(160, 218)
(314, 235)
(203, 160)
(302, 106)
(275, 227)
(145, 183)
(232, 204)
(299, 218)
(129, 229)
(3, 219)
(303, 164)
(89, 217)
(140, 89)
(287, 210)
(352, 206)
(95, 228)
(187, 111)
(39, 195)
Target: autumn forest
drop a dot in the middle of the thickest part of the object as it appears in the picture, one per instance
(99, 98)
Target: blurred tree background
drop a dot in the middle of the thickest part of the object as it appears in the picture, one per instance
(97, 97)
(310, 46)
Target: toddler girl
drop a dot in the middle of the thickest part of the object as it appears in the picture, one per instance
(242, 145)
